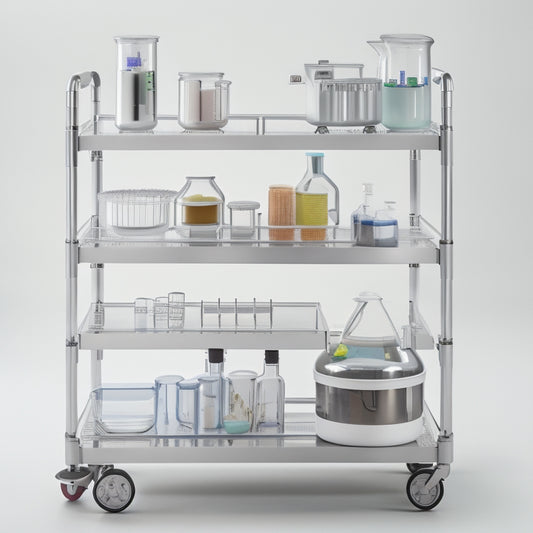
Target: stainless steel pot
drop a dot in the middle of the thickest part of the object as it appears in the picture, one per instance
(370, 401)
(340, 101)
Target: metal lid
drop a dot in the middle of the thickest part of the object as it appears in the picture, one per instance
(201, 74)
(244, 205)
(369, 363)
(136, 38)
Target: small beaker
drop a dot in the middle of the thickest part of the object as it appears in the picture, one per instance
(144, 314)
(241, 401)
(166, 414)
(176, 310)
(161, 312)
(188, 408)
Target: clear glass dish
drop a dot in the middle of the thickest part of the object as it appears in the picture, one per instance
(136, 211)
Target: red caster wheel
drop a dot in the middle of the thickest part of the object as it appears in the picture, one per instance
(72, 492)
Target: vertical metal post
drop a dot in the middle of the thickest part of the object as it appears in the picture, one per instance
(71, 138)
(76, 82)
(414, 222)
(97, 269)
(446, 270)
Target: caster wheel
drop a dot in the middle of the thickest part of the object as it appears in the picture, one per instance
(114, 491)
(72, 492)
(417, 493)
(414, 467)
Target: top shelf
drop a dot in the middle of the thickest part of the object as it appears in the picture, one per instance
(250, 132)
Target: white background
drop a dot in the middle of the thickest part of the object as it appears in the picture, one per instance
(483, 44)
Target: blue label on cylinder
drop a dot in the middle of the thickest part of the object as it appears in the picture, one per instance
(402, 77)
(132, 62)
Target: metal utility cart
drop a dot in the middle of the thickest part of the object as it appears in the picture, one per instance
(428, 458)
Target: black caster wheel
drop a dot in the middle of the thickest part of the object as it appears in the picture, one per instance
(114, 491)
(415, 467)
(417, 493)
(72, 492)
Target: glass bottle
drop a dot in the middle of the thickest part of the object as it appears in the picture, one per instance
(362, 219)
(386, 226)
(270, 396)
(213, 391)
(317, 199)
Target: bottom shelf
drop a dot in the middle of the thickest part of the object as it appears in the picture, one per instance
(299, 444)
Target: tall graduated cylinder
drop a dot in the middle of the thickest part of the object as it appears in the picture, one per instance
(136, 83)
(405, 67)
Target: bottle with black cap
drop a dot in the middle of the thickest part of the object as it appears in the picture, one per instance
(270, 396)
(212, 392)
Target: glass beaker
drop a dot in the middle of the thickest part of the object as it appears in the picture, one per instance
(242, 218)
(406, 82)
(176, 310)
(136, 83)
(317, 199)
(144, 314)
(241, 385)
(161, 312)
(188, 404)
(166, 414)
(200, 205)
(203, 100)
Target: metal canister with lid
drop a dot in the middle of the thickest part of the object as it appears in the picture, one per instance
(335, 99)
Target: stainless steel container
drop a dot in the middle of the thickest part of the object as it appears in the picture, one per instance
(341, 101)
(368, 400)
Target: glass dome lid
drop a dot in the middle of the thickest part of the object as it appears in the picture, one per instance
(369, 347)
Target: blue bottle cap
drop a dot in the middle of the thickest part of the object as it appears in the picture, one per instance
(315, 154)
(132, 62)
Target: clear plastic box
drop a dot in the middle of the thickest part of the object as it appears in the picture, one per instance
(124, 408)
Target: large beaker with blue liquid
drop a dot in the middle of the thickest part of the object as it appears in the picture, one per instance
(405, 66)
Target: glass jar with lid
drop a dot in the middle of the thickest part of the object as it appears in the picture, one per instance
(200, 206)
(242, 218)
(203, 100)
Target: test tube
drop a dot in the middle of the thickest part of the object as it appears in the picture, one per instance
(161, 312)
(144, 314)
(176, 310)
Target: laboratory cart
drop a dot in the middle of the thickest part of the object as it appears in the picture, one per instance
(91, 453)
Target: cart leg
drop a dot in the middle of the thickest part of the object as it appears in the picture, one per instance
(97, 269)
(414, 222)
(445, 451)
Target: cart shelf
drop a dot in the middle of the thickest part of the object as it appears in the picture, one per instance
(228, 325)
(299, 444)
(168, 135)
(97, 245)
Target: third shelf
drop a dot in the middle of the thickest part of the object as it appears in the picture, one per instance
(229, 325)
